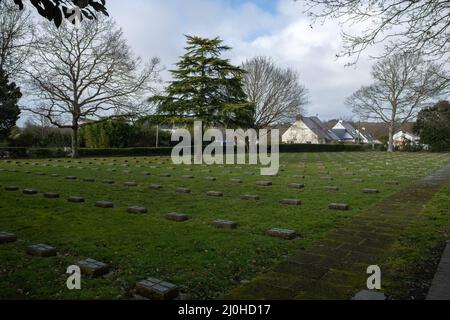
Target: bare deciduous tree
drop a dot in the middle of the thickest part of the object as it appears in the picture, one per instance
(86, 75)
(402, 25)
(403, 85)
(276, 92)
(16, 34)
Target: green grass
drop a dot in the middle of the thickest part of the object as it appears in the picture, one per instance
(204, 261)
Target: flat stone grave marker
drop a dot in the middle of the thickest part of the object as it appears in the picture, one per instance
(11, 188)
(93, 268)
(299, 177)
(187, 177)
(214, 194)
(89, 180)
(71, 178)
(40, 174)
(326, 178)
(108, 181)
(156, 289)
(236, 180)
(130, 184)
(136, 209)
(264, 183)
(178, 217)
(291, 202)
(182, 190)
(367, 190)
(76, 199)
(296, 186)
(211, 178)
(6, 237)
(249, 197)
(224, 224)
(392, 182)
(29, 191)
(331, 188)
(41, 250)
(339, 206)
(54, 175)
(164, 175)
(369, 295)
(51, 195)
(155, 186)
(282, 233)
(146, 173)
(104, 204)
(358, 180)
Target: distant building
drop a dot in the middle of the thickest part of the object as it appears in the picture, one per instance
(309, 130)
(347, 133)
(403, 138)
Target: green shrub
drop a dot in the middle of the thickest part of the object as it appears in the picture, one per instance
(108, 134)
(37, 137)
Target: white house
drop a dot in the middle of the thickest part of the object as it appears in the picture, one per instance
(347, 133)
(401, 138)
(309, 130)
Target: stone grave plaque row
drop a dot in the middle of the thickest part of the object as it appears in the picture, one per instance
(291, 202)
(41, 250)
(93, 268)
(156, 289)
(6, 237)
(224, 224)
(339, 206)
(282, 233)
(249, 197)
(178, 217)
(214, 194)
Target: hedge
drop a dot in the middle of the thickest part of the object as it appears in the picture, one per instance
(125, 152)
(22, 152)
(19, 152)
(288, 148)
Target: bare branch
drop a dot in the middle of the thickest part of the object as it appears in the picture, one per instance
(276, 92)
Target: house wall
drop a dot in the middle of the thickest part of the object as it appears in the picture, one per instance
(300, 133)
(400, 137)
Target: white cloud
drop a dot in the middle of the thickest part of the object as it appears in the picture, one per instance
(157, 28)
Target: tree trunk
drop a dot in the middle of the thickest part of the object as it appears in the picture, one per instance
(75, 142)
(391, 137)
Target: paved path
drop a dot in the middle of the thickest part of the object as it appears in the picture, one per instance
(440, 287)
(335, 267)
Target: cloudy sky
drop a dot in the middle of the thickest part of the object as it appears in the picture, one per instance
(276, 28)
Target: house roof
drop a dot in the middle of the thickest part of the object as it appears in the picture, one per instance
(319, 128)
(412, 135)
(348, 128)
(367, 135)
(282, 127)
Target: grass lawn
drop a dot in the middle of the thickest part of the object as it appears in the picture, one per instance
(204, 261)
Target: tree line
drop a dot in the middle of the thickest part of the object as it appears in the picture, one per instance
(78, 76)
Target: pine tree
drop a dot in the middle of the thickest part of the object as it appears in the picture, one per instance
(206, 87)
(9, 110)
